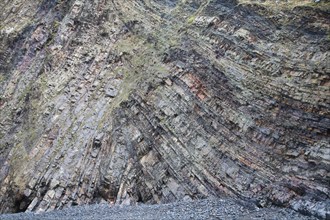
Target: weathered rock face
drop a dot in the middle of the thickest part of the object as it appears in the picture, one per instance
(156, 101)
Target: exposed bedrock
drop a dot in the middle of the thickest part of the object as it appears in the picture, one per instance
(157, 101)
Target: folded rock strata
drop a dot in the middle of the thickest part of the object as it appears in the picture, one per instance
(157, 101)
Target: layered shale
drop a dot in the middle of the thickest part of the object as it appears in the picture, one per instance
(155, 101)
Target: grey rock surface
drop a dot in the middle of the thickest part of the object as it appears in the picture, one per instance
(155, 101)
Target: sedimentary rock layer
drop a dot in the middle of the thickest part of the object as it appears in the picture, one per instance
(157, 101)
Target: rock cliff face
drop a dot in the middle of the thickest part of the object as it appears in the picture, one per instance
(156, 101)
